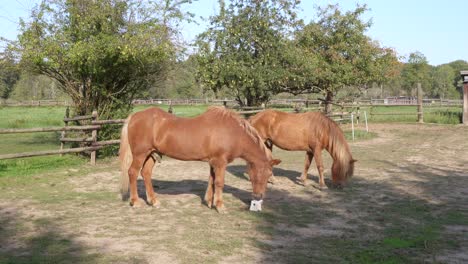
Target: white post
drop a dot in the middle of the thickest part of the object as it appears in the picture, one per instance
(365, 118)
(352, 125)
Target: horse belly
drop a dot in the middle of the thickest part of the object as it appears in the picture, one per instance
(181, 144)
(290, 138)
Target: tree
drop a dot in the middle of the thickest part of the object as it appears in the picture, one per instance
(442, 85)
(346, 56)
(457, 66)
(102, 53)
(9, 75)
(416, 70)
(37, 87)
(246, 49)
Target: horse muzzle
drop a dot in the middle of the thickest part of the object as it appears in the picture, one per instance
(256, 203)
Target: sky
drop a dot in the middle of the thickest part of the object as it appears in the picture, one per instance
(432, 27)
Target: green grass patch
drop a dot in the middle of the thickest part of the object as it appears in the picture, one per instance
(36, 165)
(179, 110)
(441, 115)
(359, 135)
(30, 117)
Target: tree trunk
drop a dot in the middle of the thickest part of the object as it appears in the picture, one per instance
(328, 105)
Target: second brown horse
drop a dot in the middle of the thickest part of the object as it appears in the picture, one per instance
(218, 137)
(310, 132)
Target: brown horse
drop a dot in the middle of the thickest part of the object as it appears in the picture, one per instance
(310, 132)
(218, 136)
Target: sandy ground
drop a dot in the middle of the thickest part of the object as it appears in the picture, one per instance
(410, 186)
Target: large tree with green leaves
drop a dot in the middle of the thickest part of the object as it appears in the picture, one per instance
(9, 75)
(457, 66)
(346, 56)
(246, 50)
(417, 70)
(102, 53)
(442, 82)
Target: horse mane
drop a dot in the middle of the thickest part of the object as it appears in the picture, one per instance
(244, 124)
(337, 145)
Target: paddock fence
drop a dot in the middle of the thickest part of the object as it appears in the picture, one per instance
(87, 137)
(85, 134)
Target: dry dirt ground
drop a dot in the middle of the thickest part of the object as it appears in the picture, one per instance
(407, 203)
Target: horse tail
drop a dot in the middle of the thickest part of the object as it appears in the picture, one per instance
(343, 162)
(126, 158)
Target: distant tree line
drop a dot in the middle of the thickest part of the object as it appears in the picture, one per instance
(101, 54)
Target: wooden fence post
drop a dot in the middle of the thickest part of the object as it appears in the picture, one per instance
(62, 135)
(94, 138)
(420, 104)
(464, 75)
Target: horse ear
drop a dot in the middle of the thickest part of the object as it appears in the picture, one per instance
(352, 161)
(274, 162)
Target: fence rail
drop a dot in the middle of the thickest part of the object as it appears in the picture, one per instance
(92, 141)
(347, 112)
(393, 101)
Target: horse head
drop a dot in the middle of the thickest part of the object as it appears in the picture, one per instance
(259, 175)
(342, 171)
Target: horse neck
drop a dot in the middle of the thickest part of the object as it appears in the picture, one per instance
(253, 153)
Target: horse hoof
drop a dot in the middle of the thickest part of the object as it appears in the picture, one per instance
(301, 180)
(137, 203)
(323, 187)
(272, 179)
(221, 209)
(155, 203)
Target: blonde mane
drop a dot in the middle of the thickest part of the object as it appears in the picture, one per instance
(248, 128)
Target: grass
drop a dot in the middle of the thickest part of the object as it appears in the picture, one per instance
(441, 115)
(179, 110)
(37, 165)
(30, 117)
(359, 135)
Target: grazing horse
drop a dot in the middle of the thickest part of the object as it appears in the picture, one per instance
(217, 136)
(310, 132)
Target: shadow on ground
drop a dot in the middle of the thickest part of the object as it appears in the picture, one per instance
(41, 241)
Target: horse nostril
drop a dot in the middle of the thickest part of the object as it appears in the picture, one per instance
(257, 196)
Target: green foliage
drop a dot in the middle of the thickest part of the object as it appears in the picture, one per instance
(443, 77)
(101, 53)
(37, 87)
(9, 75)
(416, 70)
(345, 55)
(457, 66)
(246, 50)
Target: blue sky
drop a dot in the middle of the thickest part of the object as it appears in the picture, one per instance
(432, 27)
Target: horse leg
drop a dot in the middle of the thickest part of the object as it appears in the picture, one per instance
(308, 160)
(269, 145)
(146, 172)
(209, 189)
(218, 187)
(133, 175)
(319, 163)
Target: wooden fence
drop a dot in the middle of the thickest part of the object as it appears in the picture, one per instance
(344, 112)
(389, 101)
(88, 137)
(88, 143)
